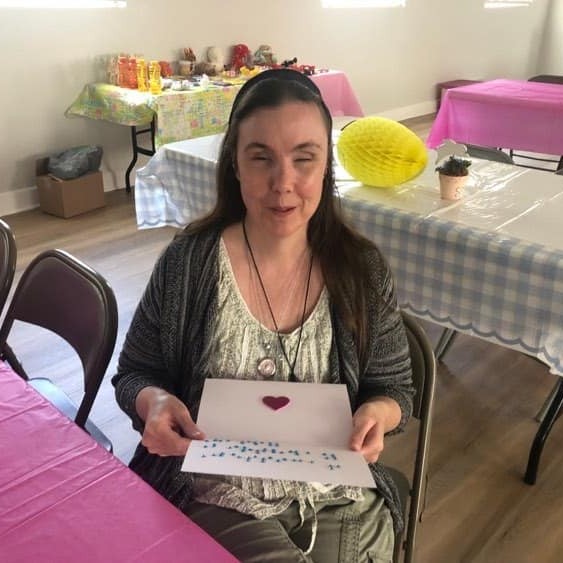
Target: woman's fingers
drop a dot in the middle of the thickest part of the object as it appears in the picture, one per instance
(373, 443)
(189, 429)
(367, 434)
(169, 428)
(164, 441)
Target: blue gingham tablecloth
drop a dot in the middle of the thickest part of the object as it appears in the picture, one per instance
(489, 265)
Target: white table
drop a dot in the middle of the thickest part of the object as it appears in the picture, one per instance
(490, 265)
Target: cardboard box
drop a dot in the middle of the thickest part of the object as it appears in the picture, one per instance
(66, 198)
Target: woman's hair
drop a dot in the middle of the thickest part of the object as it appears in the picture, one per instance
(340, 250)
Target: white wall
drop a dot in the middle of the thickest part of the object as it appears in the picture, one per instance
(551, 52)
(393, 57)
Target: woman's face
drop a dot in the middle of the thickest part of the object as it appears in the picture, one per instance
(281, 160)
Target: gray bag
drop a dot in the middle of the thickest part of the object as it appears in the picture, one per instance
(75, 162)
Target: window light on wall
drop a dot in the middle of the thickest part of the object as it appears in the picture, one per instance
(507, 3)
(362, 3)
(68, 4)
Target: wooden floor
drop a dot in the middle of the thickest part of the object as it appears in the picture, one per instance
(478, 507)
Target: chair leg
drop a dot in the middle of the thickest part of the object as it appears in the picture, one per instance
(542, 434)
(560, 165)
(446, 340)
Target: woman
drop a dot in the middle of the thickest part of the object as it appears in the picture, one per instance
(271, 285)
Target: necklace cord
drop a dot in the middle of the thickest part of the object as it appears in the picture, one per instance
(291, 366)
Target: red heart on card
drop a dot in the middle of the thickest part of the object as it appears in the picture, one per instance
(275, 403)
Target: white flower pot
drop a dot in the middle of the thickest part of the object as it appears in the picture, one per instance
(451, 187)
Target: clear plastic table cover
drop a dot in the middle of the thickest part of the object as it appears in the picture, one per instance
(489, 264)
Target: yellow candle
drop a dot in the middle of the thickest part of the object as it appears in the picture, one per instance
(142, 85)
(154, 78)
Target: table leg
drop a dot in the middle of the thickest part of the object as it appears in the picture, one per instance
(138, 149)
(546, 404)
(551, 416)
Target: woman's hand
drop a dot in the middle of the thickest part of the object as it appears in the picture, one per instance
(169, 428)
(370, 423)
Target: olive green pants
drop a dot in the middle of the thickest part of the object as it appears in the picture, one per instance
(348, 532)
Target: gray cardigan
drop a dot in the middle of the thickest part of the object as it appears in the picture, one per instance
(167, 341)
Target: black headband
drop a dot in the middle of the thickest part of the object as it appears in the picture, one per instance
(277, 74)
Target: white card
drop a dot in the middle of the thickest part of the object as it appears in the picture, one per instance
(277, 430)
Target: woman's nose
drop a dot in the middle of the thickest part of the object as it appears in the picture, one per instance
(283, 177)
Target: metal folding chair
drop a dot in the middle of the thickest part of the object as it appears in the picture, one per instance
(424, 378)
(62, 294)
(8, 253)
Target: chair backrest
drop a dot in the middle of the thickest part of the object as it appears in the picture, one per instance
(488, 153)
(551, 78)
(64, 295)
(8, 255)
(424, 379)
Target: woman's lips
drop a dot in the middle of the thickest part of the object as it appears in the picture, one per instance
(282, 210)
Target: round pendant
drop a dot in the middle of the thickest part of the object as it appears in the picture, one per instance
(266, 367)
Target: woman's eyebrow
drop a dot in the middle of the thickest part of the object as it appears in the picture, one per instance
(255, 145)
(307, 145)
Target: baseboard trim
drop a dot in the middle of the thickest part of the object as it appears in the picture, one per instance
(396, 114)
(18, 200)
(408, 112)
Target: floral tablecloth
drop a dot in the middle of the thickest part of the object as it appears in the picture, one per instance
(180, 114)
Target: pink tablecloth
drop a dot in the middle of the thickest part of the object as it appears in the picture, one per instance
(63, 498)
(338, 93)
(513, 114)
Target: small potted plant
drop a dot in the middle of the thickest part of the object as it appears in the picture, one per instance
(453, 173)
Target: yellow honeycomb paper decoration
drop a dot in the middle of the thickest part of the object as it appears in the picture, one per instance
(381, 152)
